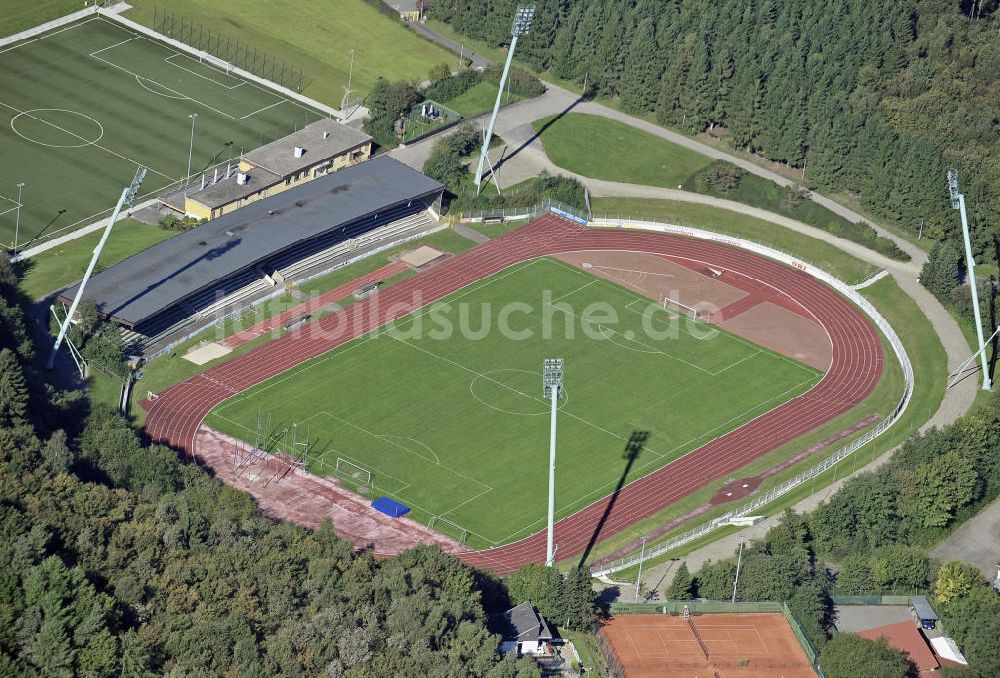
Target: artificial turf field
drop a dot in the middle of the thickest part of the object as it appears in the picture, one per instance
(83, 105)
(454, 424)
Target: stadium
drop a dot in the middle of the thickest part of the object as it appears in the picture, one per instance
(418, 385)
(374, 395)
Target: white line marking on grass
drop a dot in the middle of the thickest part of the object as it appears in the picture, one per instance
(199, 75)
(104, 49)
(514, 390)
(404, 448)
(734, 364)
(95, 145)
(707, 326)
(68, 28)
(571, 293)
(649, 349)
(261, 110)
(20, 44)
(160, 84)
(139, 80)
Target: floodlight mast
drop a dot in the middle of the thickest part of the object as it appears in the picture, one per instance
(958, 203)
(520, 26)
(127, 197)
(552, 387)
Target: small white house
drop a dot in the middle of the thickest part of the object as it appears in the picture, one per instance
(522, 629)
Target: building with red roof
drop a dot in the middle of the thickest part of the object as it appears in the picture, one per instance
(907, 637)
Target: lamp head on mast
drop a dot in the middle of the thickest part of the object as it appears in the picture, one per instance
(522, 20)
(552, 376)
(953, 188)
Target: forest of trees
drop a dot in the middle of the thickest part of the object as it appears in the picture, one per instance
(873, 97)
(117, 559)
(878, 529)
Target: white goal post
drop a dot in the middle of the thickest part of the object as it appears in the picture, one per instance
(453, 530)
(354, 471)
(672, 304)
(216, 61)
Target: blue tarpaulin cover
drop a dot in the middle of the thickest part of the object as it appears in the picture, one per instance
(390, 507)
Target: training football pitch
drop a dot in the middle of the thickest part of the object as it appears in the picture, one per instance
(83, 105)
(453, 423)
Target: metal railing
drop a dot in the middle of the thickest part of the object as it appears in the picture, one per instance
(790, 484)
(528, 212)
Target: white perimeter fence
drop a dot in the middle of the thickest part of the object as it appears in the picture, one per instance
(757, 502)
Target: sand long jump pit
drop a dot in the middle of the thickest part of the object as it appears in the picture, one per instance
(750, 645)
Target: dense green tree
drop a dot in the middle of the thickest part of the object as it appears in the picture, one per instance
(682, 585)
(849, 656)
(13, 390)
(956, 580)
(855, 576)
(941, 270)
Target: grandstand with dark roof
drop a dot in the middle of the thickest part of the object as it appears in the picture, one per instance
(184, 284)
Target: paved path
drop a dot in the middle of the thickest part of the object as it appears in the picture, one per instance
(470, 233)
(80, 232)
(977, 542)
(515, 127)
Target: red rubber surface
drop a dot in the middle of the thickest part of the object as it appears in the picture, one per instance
(174, 417)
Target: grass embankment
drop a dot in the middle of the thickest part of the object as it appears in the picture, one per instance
(478, 99)
(614, 151)
(170, 369)
(58, 267)
(316, 37)
(821, 254)
(607, 149)
(16, 16)
(929, 365)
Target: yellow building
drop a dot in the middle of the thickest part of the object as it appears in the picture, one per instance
(319, 148)
(409, 10)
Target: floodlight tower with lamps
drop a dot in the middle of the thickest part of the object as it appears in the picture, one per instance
(127, 198)
(958, 203)
(520, 26)
(552, 388)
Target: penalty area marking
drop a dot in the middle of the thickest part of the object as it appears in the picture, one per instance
(139, 79)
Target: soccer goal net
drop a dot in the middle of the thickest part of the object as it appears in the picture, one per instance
(221, 64)
(670, 304)
(448, 528)
(351, 470)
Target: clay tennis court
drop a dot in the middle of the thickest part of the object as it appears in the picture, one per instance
(740, 645)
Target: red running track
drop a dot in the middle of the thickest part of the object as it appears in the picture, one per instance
(175, 416)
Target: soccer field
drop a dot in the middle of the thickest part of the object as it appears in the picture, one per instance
(83, 105)
(445, 407)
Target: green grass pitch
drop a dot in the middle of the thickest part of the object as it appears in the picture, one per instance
(83, 105)
(455, 425)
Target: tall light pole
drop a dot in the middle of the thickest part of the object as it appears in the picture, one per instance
(187, 177)
(638, 577)
(552, 386)
(958, 203)
(127, 198)
(17, 217)
(347, 94)
(739, 561)
(522, 22)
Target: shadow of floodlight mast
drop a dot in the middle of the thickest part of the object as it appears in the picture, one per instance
(633, 447)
